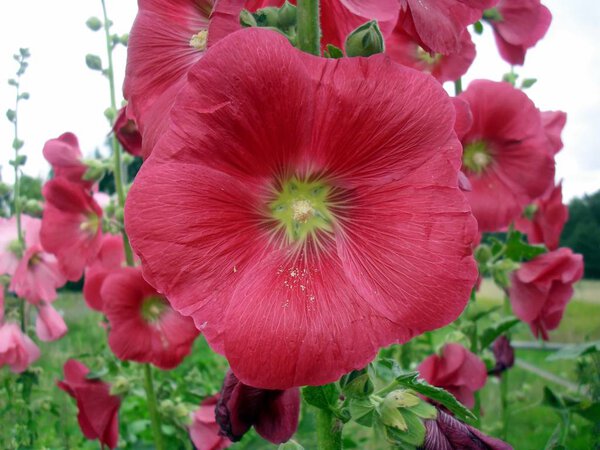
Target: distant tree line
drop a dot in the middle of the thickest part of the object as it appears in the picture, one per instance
(582, 231)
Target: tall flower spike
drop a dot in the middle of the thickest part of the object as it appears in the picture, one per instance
(372, 247)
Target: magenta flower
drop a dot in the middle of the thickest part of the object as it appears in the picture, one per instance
(127, 133)
(65, 157)
(457, 370)
(542, 287)
(311, 236)
(110, 258)
(71, 226)
(437, 25)
(204, 430)
(98, 410)
(504, 354)
(49, 326)
(17, 350)
(143, 326)
(553, 123)
(505, 154)
(519, 26)
(273, 413)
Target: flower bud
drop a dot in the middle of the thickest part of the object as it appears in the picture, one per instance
(357, 384)
(94, 24)
(120, 386)
(93, 62)
(504, 354)
(366, 40)
(287, 15)
(273, 413)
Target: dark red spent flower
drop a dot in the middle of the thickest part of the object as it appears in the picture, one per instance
(403, 49)
(98, 410)
(448, 433)
(273, 413)
(110, 258)
(505, 153)
(71, 226)
(547, 218)
(504, 354)
(437, 25)
(553, 123)
(204, 430)
(518, 26)
(65, 157)
(143, 326)
(542, 287)
(127, 133)
(457, 370)
(313, 238)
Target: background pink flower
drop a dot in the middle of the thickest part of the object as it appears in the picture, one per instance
(65, 157)
(49, 326)
(17, 350)
(110, 258)
(204, 430)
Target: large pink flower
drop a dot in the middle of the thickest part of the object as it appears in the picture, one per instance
(71, 226)
(542, 287)
(143, 326)
(204, 430)
(457, 370)
(437, 25)
(548, 219)
(65, 157)
(519, 26)
(303, 245)
(110, 258)
(38, 274)
(17, 350)
(505, 153)
(98, 410)
(49, 326)
(403, 49)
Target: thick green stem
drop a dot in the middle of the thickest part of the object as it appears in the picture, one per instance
(152, 408)
(116, 148)
(458, 86)
(329, 431)
(309, 29)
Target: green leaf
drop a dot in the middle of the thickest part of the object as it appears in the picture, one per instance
(333, 52)
(412, 381)
(528, 82)
(362, 412)
(519, 250)
(322, 397)
(490, 334)
(575, 351)
(93, 62)
(553, 400)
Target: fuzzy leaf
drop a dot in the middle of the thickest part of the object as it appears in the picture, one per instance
(322, 397)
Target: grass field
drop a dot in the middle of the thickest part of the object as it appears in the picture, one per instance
(530, 425)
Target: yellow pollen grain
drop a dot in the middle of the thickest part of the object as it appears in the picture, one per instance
(199, 40)
(302, 211)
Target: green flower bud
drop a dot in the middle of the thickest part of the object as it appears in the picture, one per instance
(93, 23)
(247, 19)
(287, 15)
(93, 62)
(357, 384)
(366, 40)
(120, 386)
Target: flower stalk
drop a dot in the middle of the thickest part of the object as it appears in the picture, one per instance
(152, 408)
(329, 431)
(309, 29)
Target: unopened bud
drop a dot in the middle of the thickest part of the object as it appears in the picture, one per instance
(94, 24)
(287, 15)
(93, 62)
(357, 384)
(366, 40)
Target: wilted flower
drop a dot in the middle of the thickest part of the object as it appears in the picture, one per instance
(542, 287)
(311, 235)
(98, 410)
(143, 326)
(273, 413)
(204, 430)
(457, 370)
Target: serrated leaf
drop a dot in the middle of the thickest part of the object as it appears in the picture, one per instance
(412, 381)
(322, 397)
(575, 351)
(490, 334)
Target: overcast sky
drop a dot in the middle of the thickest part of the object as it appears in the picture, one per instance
(67, 96)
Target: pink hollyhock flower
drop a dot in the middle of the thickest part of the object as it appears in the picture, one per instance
(457, 370)
(505, 153)
(548, 219)
(518, 26)
(542, 287)
(10, 248)
(65, 157)
(447, 433)
(403, 49)
(309, 236)
(71, 226)
(143, 326)
(437, 25)
(98, 410)
(204, 430)
(127, 133)
(273, 413)
(37, 275)
(553, 123)
(17, 350)
(49, 326)
(110, 258)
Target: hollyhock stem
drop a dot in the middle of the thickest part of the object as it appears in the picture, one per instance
(152, 409)
(458, 86)
(116, 148)
(309, 29)
(329, 431)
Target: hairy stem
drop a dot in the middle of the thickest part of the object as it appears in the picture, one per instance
(309, 29)
(152, 408)
(329, 431)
